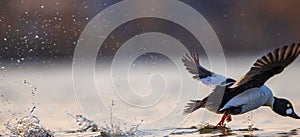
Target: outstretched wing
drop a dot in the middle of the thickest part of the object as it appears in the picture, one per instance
(200, 73)
(269, 65)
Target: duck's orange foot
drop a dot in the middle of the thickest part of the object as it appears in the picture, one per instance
(228, 118)
(224, 117)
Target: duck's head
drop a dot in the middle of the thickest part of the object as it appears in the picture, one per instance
(284, 107)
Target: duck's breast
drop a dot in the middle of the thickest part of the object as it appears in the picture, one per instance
(250, 99)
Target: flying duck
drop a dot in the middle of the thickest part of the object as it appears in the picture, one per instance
(231, 97)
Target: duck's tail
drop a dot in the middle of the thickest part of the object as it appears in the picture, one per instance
(194, 105)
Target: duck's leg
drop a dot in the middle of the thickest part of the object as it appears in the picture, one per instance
(221, 123)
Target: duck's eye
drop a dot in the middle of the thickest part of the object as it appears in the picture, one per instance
(288, 105)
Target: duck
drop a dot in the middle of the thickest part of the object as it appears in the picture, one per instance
(235, 97)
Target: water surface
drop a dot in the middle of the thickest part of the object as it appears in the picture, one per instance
(51, 91)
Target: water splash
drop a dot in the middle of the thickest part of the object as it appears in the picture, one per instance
(33, 90)
(248, 119)
(84, 124)
(109, 129)
(28, 126)
(115, 130)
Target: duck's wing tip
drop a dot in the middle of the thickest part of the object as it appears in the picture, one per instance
(192, 64)
(269, 65)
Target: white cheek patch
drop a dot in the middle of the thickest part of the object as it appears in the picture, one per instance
(289, 111)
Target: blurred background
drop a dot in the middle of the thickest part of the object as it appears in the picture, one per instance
(38, 39)
(46, 32)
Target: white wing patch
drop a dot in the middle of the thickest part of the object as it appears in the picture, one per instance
(213, 80)
(289, 111)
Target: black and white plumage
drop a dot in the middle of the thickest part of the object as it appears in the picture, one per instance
(230, 97)
(200, 73)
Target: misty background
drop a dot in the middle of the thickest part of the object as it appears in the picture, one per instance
(38, 40)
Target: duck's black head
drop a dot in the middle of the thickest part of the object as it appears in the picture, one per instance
(284, 107)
